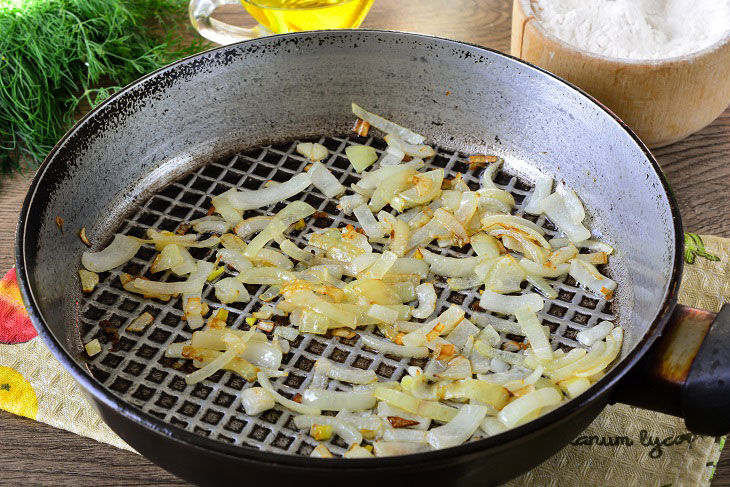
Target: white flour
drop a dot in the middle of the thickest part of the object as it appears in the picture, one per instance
(636, 29)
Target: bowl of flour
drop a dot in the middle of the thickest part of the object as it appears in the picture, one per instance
(663, 66)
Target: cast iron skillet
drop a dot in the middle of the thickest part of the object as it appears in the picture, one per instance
(463, 98)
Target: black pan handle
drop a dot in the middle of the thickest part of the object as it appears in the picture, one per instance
(687, 372)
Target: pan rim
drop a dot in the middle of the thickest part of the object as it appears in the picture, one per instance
(102, 394)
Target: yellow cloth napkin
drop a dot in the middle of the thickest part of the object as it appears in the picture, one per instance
(623, 447)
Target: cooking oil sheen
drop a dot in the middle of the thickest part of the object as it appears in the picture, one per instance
(281, 16)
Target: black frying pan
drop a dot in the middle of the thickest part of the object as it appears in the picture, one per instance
(208, 122)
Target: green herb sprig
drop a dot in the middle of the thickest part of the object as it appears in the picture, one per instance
(56, 54)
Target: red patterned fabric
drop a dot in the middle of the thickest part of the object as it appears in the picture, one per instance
(15, 326)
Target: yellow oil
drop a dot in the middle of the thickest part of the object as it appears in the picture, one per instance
(281, 16)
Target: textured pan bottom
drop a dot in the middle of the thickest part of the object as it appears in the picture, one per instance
(136, 370)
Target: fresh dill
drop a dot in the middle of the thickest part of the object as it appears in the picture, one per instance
(57, 54)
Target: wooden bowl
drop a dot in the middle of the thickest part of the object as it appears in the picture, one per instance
(663, 101)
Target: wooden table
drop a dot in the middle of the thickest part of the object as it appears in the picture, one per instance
(697, 168)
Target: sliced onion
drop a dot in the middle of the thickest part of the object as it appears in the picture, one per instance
(499, 303)
(389, 348)
(263, 379)
(255, 400)
(312, 151)
(461, 333)
(467, 207)
(392, 156)
(542, 286)
(548, 269)
(589, 336)
(121, 250)
(387, 189)
(514, 221)
(372, 291)
(563, 254)
(532, 329)
(490, 335)
(450, 266)
(511, 358)
(291, 249)
(461, 283)
(458, 368)
(406, 291)
(485, 245)
(249, 226)
(426, 188)
(492, 426)
(594, 245)
(291, 213)
(251, 199)
(500, 195)
(310, 301)
(382, 313)
(405, 435)
(492, 205)
(211, 224)
(458, 232)
(415, 150)
(270, 276)
(574, 205)
(485, 392)
(350, 202)
(421, 407)
(575, 386)
(399, 232)
(361, 156)
(357, 451)
(161, 239)
(328, 400)
(523, 244)
(234, 259)
(384, 410)
(557, 211)
(188, 264)
(168, 258)
(321, 451)
(426, 301)
(273, 258)
(587, 275)
(431, 330)
(387, 126)
(345, 374)
(459, 429)
(543, 188)
(366, 422)
(194, 283)
(392, 448)
(427, 234)
(505, 275)
(89, 280)
(231, 290)
(323, 180)
(382, 265)
(613, 347)
(345, 431)
(516, 411)
(212, 367)
(367, 221)
(499, 324)
(487, 178)
(224, 208)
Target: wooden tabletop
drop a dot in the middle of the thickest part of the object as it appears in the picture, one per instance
(697, 168)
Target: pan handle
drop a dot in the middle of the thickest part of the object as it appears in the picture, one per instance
(686, 373)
